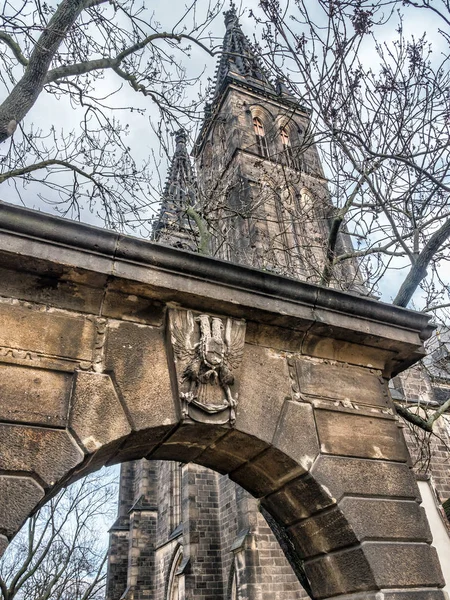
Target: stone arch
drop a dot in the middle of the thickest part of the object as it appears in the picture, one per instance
(278, 473)
(93, 372)
(268, 121)
(263, 113)
(285, 122)
(173, 583)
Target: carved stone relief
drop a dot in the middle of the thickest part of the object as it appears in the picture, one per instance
(208, 352)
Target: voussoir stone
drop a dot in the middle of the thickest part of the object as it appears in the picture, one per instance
(96, 415)
(267, 472)
(264, 386)
(50, 453)
(297, 500)
(296, 433)
(231, 451)
(19, 496)
(404, 564)
(352, 476)
(323, 533)
(340, 573)
(351, 434)
(388, 519)
(136, 354)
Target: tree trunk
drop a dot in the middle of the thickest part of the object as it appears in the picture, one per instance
(27, 90)
(419, 269)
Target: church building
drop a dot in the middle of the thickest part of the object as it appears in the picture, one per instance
(256, 195)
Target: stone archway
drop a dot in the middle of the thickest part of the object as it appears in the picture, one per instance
(113, 349)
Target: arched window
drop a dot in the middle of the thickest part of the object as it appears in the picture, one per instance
(232, 593)
(175, 584)
(261, 141)
(287, 148)
(234, 587)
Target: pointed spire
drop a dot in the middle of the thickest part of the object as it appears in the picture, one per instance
(238, 56)
(173, 226)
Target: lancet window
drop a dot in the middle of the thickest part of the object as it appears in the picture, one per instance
(261, 140)
(174, 589)
(287, 148)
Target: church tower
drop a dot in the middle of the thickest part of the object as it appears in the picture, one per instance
(258, 198)
(175, 225)
(262, 184)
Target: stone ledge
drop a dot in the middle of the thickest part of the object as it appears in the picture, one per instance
(184, 277)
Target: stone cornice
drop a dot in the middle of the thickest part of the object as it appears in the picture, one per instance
(199, 282)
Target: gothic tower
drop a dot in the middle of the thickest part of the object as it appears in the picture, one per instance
(175, 225)
(184, 532)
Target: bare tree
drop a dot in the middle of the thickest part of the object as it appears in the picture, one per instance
(57, 554)
(381, 117)
(96, 58)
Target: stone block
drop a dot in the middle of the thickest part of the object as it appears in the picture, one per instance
(50, 453)
(350, 434)
(136, 355)
(322, 533)
(132, 307)
(19, 495)
(137, 445)
(344, 572)
(48, 332)
(386, 519)
(3, 544)
(343, 351)
(188, 442)
(296, 434)
(51, 284)
(410, 594)
(297, 500)
(351, 476)
(264, 386)
(421, 594)
(341, 381)
(403, 565)
(280, 338)
(34, 396)
(231, 451)
(96, 414)
(266, 473)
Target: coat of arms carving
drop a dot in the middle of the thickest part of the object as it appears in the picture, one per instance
(208, 352)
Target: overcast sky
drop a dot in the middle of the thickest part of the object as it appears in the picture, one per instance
(144, 143)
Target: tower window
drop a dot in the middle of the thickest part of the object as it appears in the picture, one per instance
(261, 141)
(287, 148)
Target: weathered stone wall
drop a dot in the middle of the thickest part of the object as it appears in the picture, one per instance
(95, 375)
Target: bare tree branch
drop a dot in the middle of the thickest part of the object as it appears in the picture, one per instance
(14, 46)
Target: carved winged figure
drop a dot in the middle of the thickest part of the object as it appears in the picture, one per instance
(210, 361)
